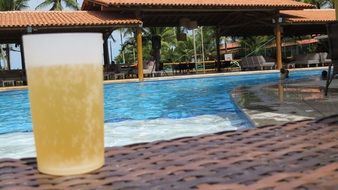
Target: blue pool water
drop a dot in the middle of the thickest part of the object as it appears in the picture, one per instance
(173, 99)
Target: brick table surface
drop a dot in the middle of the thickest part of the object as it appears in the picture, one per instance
(299, 155)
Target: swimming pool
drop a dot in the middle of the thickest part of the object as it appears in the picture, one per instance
(142, 112)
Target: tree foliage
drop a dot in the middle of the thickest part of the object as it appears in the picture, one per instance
(58, 5)
(254, 45)
(13, 5)
(171, 49)
(320, 3)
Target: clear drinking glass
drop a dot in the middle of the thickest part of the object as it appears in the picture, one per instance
(65, 84)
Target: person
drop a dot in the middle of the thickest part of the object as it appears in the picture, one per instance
(287, 73)
(284, 73)
(324, 75)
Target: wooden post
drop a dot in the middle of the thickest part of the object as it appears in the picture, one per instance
(217, 36)
(23, 63)
(105, 48)
(139, 53)
(8, 53)
(336, 7)
(278, 43)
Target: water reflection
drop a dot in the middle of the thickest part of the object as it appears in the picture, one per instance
(287, 101)
(281, 92)
(291, 93)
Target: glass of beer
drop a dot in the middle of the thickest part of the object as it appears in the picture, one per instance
(65, 84)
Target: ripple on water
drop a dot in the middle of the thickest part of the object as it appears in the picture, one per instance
(18, 145)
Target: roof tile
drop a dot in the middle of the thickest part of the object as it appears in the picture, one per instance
(18, 19)
(206, 3)
(310, 15)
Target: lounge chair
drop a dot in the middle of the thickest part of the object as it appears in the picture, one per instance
(307, 59)
(263, 64)
(256, 62)
(12, 77)
(149, 69)
(247, 63)
(323, 58)
(113, 71)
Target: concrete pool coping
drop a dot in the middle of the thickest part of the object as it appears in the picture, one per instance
(287, 101)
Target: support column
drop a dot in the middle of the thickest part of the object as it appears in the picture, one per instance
(278, 34)
(195, 52)
(8, 53)
(23, 62)
(336, 7)
(139, 53)
(202, 43)
(217, 36)
(105, 48)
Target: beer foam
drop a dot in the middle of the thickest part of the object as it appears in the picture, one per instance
(62, 49)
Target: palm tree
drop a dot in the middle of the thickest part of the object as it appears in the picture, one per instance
(171, 49)
(129, 52)
(254, 45)
(2, 57)
(319, 3)
(10, 5)
(208, 42)
(122, 33)
(165, 35)
(57, 4)
(185, 49)
(168, 45)
(128, 49)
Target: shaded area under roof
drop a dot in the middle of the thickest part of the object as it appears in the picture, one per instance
(233, 17)
(237, 23)
(295, 22)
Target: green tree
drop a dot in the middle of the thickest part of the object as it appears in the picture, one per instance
(319, 3)
(171, 49)
(166, 34)
(209, 42)
(129, 53)
(128, 50)
(254, 45)
(57, 5)
(12, 5)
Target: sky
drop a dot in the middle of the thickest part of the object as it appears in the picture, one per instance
(16, 57)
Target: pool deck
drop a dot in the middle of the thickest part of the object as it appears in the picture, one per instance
(275, 104)
(298, 155)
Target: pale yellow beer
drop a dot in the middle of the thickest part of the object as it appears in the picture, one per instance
(67, 107)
